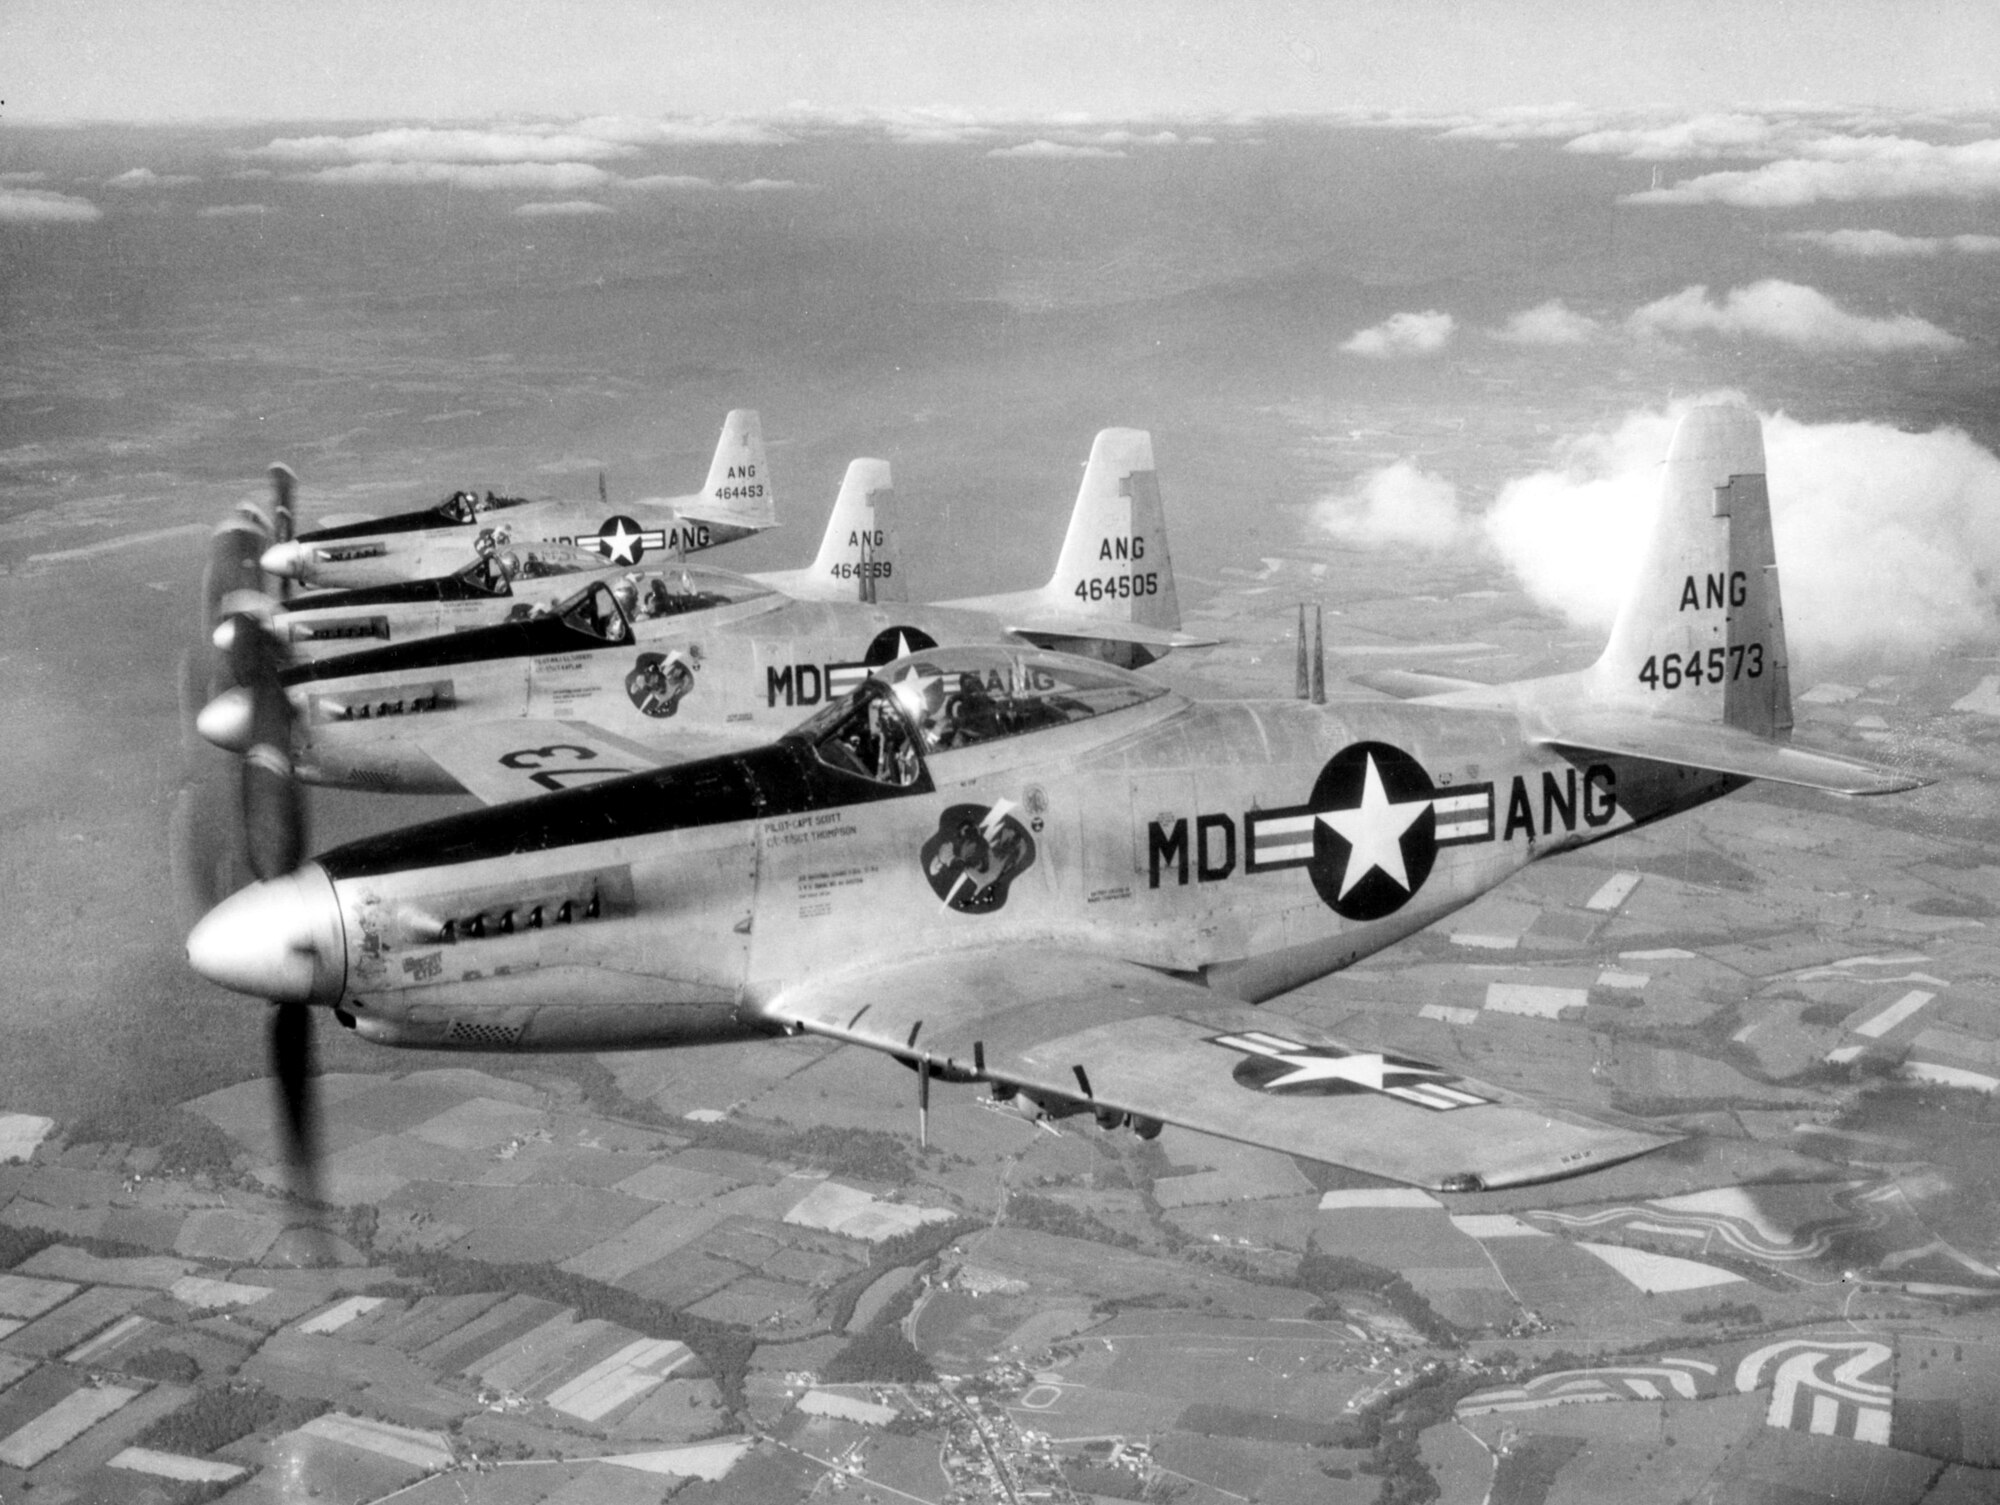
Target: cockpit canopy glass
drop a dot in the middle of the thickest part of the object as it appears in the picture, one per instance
(593, 612)
(608, 609)
(961, 697)
(469, 506)
(675, 589)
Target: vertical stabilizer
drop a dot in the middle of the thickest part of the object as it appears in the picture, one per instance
(860, 538)
(738, 489)
(1702, 634)
(1114, 561)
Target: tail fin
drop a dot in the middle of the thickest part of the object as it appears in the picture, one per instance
(859, 545)
(1114, 561)
(1702, 635)
(738, 489)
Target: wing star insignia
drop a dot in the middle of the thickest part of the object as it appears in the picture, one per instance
(1289, 1068)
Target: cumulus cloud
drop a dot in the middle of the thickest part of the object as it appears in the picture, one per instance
(1844, 169)
(634, 130)
(1052, 151)
(232, 211)
(1875, 243)
(427, 144)
(532, 177)
(1550, 323)
(1396, 504)
(1788, 312)
(145, 177)
(560, 208)
(42, 206)
(668, 182)
(1887, 542)
(1507, 123)
(1715, 135)
(1403, 334)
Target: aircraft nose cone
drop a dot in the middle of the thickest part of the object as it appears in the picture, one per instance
(286, 559)
(226, 720)
(281, 940)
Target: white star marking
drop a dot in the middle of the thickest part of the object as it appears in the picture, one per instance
(1374, 830)
(1370, 1071)
(621, 543)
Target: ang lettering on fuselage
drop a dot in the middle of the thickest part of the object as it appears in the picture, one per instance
(1274, 840)
(1715, 591)
(1121, 548)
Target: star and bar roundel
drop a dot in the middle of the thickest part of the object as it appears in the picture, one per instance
(1370, 833)
(622, 541)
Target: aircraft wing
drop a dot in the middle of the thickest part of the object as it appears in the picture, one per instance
(1723, 749)
(500, 761)
(1122, 1038)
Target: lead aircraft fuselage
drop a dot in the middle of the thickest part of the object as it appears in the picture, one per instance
(1202, 839)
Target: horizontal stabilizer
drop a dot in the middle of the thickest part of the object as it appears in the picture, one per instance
(1724, 750)
(1043, 630)
(1412, 684)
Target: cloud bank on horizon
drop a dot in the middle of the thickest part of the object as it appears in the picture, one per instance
(1889, 542)
(1789, 313)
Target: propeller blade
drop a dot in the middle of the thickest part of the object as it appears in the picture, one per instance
(234, 550)
(273, 805)
(297, 1081)
(284, 522)
(284, 488)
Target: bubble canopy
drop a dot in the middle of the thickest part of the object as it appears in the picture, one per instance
(961, 697)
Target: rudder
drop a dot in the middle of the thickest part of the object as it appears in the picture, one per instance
(738, 489)
(1701, 636)
(860, 538)
(1114, 559)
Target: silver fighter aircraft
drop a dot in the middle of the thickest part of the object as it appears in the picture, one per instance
(511, 580)
(734, 502)
(684, 660)
(1059, 879)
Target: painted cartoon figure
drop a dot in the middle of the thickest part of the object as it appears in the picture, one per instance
(659, 682)
(976, 855)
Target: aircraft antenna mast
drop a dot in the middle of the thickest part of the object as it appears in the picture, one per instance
(1319, 657)
(1301, 678)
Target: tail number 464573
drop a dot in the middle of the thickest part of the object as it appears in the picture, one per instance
(1672, 670)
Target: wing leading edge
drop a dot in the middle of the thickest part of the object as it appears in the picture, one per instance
(1119, 1038)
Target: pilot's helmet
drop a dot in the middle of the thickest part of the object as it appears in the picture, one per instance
(627, 596)
(510, 566)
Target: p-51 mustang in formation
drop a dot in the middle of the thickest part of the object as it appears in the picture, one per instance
(734, 502)
(509, 582)
(679, 660)
(1055, 877)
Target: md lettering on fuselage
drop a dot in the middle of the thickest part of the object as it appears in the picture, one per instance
(810, 684)
(1713, 591)
(1269, 841)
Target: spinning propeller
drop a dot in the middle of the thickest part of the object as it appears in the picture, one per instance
(241, 816)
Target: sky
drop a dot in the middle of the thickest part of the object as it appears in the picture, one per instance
(186, 61)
